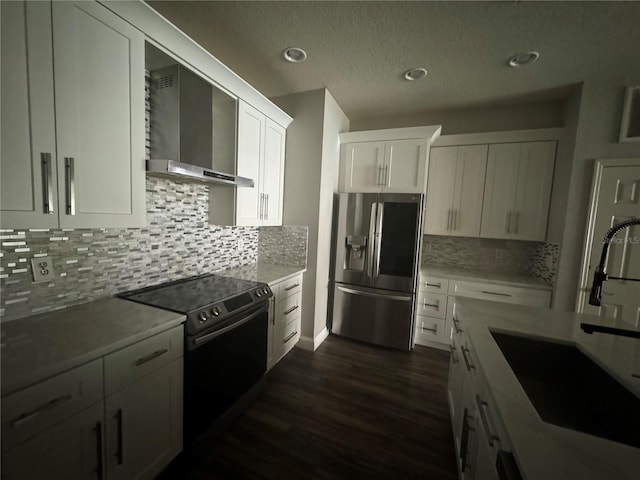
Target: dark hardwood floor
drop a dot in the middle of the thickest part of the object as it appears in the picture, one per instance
(346, 411)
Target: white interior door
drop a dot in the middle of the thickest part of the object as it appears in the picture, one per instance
(616, 198)
(440, 190)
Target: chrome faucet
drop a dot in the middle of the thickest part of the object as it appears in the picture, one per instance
(600, 276)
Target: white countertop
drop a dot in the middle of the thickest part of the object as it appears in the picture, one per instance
(545, 451)
(38, 347)
(262, 272)
(497, 278)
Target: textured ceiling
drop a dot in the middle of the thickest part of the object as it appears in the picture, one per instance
(359, 50)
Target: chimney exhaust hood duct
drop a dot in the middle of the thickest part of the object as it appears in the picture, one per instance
(183, 118)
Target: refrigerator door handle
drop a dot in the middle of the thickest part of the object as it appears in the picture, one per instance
(365, 293)
(371, 245)
(378, 240)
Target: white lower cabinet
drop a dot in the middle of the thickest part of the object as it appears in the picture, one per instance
(284, 318)
(74, 432)
(436, 304)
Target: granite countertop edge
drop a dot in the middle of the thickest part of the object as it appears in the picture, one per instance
(546, 445)
(496, 278)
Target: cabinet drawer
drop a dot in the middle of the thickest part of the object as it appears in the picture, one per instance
(431, 329)
(287, 336)
(288, 309)
(434, 285)
(289, 287)
(432, 304)
(32, 410)
(501, 293)
(127, 365)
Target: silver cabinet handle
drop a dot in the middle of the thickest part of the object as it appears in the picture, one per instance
(47, 187)
(267, 208)
(491, 437)
(432, 330)
(386, 175)
(448, 219)
(496, 293)
(437, 285)
(434, 305)
(151, 356)
(260, 207)
(464, 440)
(454, 359)
(379, 183)
(291, 287)
(517, 227)
(456, 325)
(508, 228)
(69, 167)
(455, 219)
(470, 366)
(51, 404)
(119, 451)
(292, 309)
(289, 337)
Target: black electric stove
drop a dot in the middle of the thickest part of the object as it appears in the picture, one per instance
(207, 300)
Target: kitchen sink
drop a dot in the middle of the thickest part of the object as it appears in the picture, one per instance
(568, 389)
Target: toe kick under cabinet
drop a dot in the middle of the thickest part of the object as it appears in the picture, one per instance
(284, 318)
(116, 417)
(436, 304)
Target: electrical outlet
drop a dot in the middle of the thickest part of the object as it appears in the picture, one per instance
(498, 254)
(42, 269)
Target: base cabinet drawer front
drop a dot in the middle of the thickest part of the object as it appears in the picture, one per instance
(32, 410)
(290, 287)
(501, 293)
(434, 285)
(430, 329)
(144, 424)
(131, 363)
(288, 309)
(70, 450)
(432, 304)
(286, 337)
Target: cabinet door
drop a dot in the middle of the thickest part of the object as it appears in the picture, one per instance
(454, 392)
(99, 88)
(28, 191)
(405, 166)
(363, 166)
(471, 167)
(533, 193)
(251, 143)
(500, 190)
(273, 172)
(440, 190)
(144, 425)
(72, 450)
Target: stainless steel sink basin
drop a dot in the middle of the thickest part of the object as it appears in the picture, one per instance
(568, 389)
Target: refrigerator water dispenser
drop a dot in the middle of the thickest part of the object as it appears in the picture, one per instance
(355, 257)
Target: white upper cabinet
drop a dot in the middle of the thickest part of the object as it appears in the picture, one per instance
(455, 190)
(392, 161)
(77, 162)
(518, 190)
(261, 149)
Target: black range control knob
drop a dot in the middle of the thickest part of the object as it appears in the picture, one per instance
(203, 317)
(258, 293)
(265, 290)
(215, 311)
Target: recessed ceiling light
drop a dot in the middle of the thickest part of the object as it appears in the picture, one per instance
(523, 59)
(294, 54)
(415, 74)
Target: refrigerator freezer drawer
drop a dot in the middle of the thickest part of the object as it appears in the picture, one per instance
(373, 316)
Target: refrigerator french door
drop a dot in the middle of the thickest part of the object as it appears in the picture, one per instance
(376, 267)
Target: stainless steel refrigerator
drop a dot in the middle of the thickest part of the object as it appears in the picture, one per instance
(376, 267)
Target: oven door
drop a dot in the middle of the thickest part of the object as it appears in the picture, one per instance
(221, 365)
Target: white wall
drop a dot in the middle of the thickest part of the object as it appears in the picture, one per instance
(311, 177)
(474, 120)
(596, 137)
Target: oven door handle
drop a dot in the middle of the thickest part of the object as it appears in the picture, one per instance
(228, 328)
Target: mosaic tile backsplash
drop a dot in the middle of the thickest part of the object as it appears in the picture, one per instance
(537, 259)
(286, 245)
(94, 263)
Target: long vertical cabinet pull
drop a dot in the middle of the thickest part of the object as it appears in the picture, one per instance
(261, 213)
(448, 220)
(47, 187)
(517, 227)
(266, 195)
(464, 440)
(119, 454)
(455, 219)
(508, 227)
(378, 240)
(379, 183)
(386, 175)
(69, 169)
(99, 466)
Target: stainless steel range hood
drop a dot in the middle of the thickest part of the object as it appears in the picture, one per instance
(192, 129)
